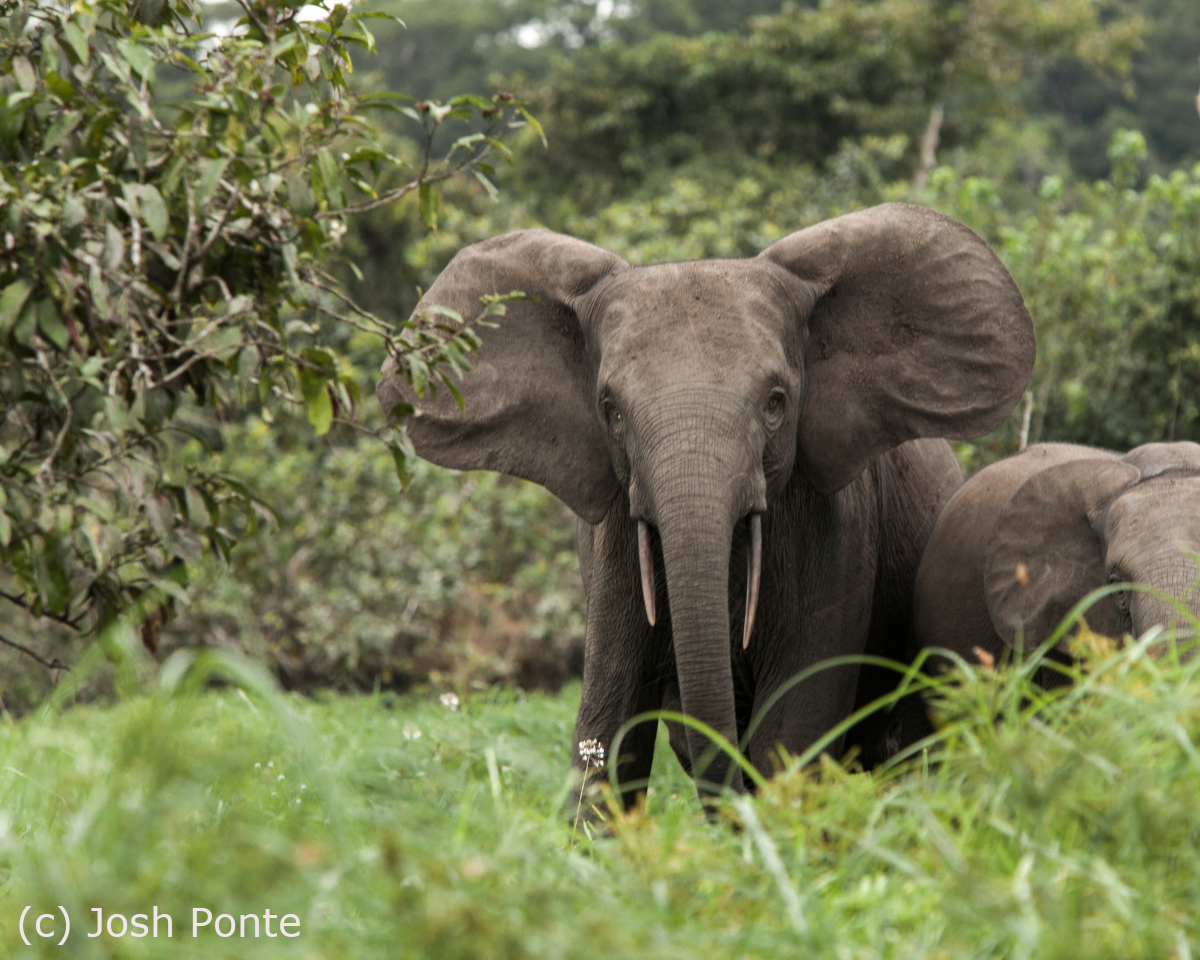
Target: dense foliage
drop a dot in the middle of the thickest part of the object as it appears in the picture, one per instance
(663, 145)
(172, 202)
(398, 827)
(460, 579)
(798, 84)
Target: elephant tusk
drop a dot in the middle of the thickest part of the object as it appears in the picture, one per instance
(753, 575)
(646, 562)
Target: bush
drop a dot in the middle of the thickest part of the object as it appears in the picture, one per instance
(463, 578)
(171, 203)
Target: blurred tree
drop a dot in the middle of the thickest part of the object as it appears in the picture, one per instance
(1158, 97)
(796, 85)
(448, 46)
(167, 261)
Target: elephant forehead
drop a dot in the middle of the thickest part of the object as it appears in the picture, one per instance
(1156, 515)
(713, 304)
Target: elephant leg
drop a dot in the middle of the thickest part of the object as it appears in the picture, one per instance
(916, 480)
(626, 661)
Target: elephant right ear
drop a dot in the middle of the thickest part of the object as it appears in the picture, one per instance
(528, 409)
(1045, 553)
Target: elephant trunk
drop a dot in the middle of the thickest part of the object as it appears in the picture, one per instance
(697, 472)
(696, 540)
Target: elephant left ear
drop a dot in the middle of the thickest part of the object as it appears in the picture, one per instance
(914, 329)
(1046, 551)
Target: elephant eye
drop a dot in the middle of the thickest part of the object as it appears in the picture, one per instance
(776, 402)
(612, 415)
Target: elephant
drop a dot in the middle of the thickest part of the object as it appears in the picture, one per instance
(1028, 537)
(753, 448)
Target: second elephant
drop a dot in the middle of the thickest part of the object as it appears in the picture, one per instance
(1027, 538)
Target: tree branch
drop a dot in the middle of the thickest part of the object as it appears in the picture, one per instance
(54, 664)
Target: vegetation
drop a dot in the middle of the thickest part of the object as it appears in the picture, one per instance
(189, 455)
(186, 496)
(405, 827)
(171, 204)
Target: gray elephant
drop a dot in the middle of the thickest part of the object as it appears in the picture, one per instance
(1027, 538)
(740, 440)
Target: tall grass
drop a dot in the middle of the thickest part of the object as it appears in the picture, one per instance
(1061, 824)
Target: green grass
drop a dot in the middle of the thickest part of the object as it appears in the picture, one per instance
(400, 828)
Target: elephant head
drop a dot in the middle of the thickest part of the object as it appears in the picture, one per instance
(692, 393)
(1080, 525)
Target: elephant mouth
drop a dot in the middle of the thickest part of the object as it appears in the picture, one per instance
(753, 572)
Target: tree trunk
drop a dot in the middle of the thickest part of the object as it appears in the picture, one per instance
(929, 145)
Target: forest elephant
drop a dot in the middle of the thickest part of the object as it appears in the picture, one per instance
(1027, 538)
(749, 446)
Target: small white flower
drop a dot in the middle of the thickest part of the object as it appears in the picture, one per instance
(449, 700)
(280, 777)
(591, 752)
(412, 731)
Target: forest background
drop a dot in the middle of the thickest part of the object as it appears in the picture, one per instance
(1065, 133)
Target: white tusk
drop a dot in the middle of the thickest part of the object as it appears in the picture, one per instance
(646, 562)
(753, 575)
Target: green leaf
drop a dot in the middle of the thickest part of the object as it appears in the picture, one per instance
(368, 36)
(77, 40)
(429, 201)
(320, 412)
(445, 312)
(317, 403)
(300, 197)
(61, 129)
(51, 325)
(532, 121)
(285, 44)
(5, 529)
(454, 392)
(99, 291)
(23, 70)
(404, 458)
(11, 302)
(323, 360)
(197, 509)
(490, 187)
(210, 177)
(332, 178)
(154, 211)
(418, 373)
(473, 100)
(137, 56)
